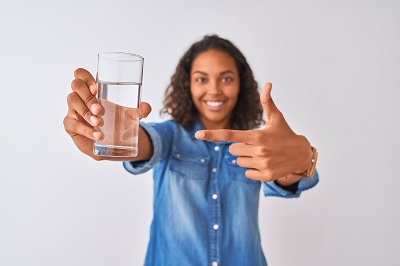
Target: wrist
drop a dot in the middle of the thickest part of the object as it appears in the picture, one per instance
(312, 165)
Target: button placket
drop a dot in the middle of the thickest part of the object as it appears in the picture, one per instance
(215, 161)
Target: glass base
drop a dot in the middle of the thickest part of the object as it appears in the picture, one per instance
(114, 151)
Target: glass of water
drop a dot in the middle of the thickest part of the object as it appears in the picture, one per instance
(119, 81)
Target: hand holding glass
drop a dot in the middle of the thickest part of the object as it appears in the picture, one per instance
(119, 80)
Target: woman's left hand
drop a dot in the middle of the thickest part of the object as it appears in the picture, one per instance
(270, 153)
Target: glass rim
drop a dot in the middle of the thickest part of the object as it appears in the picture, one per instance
(129, 57)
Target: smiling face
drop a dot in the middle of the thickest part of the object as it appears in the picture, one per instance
(214, 87)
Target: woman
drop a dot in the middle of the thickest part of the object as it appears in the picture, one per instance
(206, 189)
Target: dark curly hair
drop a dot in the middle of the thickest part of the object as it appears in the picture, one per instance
(247, 114)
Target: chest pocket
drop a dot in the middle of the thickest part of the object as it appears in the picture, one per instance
(188, 165)
(236, 172)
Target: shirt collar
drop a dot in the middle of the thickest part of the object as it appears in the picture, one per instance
(196, 127)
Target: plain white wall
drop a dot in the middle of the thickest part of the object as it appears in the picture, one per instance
(335, 66)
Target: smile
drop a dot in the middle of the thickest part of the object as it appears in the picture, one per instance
(214, 103)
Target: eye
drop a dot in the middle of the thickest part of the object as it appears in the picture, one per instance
(227, 79)
(200, 80)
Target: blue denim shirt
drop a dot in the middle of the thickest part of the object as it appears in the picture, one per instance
(205, 209)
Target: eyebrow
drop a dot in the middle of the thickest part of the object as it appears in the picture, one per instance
(222, 73)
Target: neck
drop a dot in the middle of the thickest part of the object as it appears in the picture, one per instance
(215, 125)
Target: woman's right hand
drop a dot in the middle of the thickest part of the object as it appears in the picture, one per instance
(84, 113)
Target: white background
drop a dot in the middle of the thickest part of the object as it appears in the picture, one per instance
(335, 68)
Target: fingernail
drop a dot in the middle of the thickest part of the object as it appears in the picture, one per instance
(95, 107)
(93, 119)
(97, 135)
(199, 135)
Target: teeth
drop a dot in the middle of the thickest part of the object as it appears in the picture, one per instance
(214, 104)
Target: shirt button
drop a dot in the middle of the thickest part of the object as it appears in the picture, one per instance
(178, 155)
(233, 161)
(215, 226)
(215, 196)
(214, 263)
(214, 170)
(216, 148)
(202, 160)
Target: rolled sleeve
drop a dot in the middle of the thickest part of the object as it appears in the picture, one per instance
(272, 189)
(144, 166)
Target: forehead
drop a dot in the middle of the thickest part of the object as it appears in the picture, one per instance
(213, 60)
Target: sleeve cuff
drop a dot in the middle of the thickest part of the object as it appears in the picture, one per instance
(272, 189)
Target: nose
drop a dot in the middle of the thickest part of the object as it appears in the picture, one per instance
(214, 87)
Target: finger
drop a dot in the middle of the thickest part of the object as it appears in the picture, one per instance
(81, 88)
(131, 114)
(247, 162)
(77, 106)
(255, 174)
(241, 149)
(266, 175)
(267, 103)
(76, 128)
(223, 135)
(85, 75)
(144, 110)
(254, 137)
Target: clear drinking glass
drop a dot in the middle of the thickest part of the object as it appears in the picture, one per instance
(119, 81)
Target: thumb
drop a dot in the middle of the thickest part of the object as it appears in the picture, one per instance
(144, 110)
(268, 104)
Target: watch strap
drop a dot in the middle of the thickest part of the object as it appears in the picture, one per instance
(310, 172)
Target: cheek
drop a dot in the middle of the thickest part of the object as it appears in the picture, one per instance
(195, 97)
(234, 101)
(193, 94)
(233, 93)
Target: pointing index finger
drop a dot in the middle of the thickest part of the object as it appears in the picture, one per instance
(223, 135)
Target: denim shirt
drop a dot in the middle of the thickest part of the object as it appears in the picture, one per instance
(205, 209)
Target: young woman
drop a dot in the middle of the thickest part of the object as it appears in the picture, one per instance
(206, 189)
